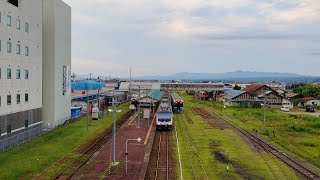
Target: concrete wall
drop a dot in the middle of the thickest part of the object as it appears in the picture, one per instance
(312, 102)
(286, 102)
(29, 11)
(57, 54)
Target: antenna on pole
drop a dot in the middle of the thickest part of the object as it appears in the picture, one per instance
(130, 84)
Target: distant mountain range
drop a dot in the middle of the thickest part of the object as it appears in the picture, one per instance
(233, 76)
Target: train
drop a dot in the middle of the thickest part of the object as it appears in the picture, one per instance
(177, 103)
(164, 119)
(202, 95)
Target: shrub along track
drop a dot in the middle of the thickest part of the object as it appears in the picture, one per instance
(191, 149)
(263, 147)
(161, 164)
(77, 163)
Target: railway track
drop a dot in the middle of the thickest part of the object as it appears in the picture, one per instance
(77, 163)
(262, 145)
(260, 149)
(191, 145)
(161, 165)
(162, 168)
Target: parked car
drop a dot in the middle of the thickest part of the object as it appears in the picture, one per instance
(285, 109)
(310, 109)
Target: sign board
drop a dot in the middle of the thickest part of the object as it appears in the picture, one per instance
(146, 113)
(66, 86)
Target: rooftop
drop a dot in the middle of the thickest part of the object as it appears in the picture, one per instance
(231, 93)
(253, 87)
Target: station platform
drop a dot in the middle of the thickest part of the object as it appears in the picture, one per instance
(100, 164)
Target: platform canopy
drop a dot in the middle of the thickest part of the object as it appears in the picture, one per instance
(87, 85)
(156, 94)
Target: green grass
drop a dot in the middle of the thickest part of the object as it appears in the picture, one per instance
(298, 135)
(218, 149)
(35, 156)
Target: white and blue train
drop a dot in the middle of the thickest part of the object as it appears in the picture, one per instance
(165, 115)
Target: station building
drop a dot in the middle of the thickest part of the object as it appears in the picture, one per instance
(35, 62)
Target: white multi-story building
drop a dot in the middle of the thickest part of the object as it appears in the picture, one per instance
(21, 65)
(56, 62)
(35, 59)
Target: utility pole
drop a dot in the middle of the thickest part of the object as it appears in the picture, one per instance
(150, 110)
(139, 106)
(264, 116)
(130, 92)
(114, 128)
(87, 109)
(73, 76)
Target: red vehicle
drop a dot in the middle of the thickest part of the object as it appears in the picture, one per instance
(203, 95)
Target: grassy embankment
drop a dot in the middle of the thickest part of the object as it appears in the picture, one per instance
(33, 157)
(218, 149)
(298, 135)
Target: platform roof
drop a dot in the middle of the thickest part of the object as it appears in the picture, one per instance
(156, 94)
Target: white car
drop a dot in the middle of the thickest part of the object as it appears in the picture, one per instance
(285, 109)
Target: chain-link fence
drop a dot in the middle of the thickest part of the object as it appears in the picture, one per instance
(22, 137)
(27, 135)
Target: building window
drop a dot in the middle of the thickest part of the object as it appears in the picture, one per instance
(9, 73)
(26, 97)
(18, 49)
(0, 73)
(8, 100)
(9, 20)
(18, 74)
(0, 106)
(0, 41)
(26, 51)
(26, 74)
(18, 98)
(9, 47)
(18, 24)
(26, 27)
(14, 2)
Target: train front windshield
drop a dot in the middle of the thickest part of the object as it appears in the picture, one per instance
(164, 116)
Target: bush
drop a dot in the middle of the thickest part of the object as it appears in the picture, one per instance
(256, 105)
(309, 144)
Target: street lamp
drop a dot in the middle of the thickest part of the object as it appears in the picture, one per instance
(139, 140)
(264, 114)
(114, 163)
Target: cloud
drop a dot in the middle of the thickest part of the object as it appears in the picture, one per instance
(149, 34)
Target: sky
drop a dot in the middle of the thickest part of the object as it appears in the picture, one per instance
(162, 37)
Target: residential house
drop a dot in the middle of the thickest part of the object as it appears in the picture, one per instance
(273, 98)
(308, 101)
(292, 96)
(280, 91)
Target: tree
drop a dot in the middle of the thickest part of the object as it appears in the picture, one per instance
(236, 87)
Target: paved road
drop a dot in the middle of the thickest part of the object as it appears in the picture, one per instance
(317, 114)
